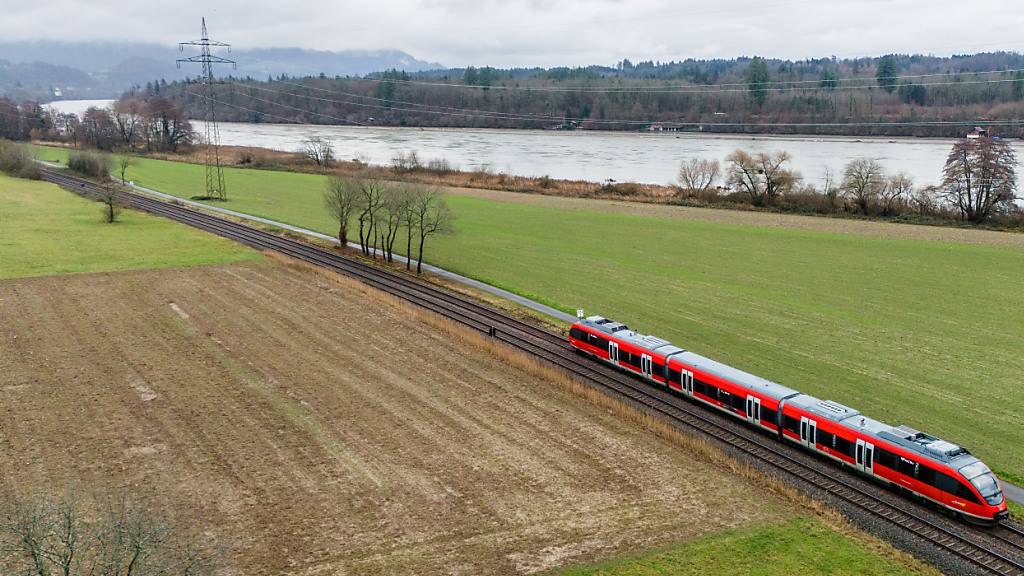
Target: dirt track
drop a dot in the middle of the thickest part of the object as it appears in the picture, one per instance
(311, 430)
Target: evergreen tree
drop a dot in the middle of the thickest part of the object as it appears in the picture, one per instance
(758, 79)
(829, 80)
(913, 94)
(886, 73)
(1018, 86)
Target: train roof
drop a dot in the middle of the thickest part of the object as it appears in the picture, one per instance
(622, 332)
(702, 363)
(762, 385)
(902, 436)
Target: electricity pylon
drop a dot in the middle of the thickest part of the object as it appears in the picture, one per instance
(215, 187)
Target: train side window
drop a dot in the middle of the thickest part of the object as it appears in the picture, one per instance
(768, 415)
(739, 402)
(712, 391)
(945, 482)
(964, 492)
(791, 424)
(885, 458)
(700, 387)
(825, 438)
(657, 369)
(843, 446)
(675, 376)
(907, 467)
(926, 475)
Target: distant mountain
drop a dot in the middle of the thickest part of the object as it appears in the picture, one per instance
(47, 69)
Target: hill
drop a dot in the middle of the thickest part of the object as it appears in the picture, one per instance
(104, 70)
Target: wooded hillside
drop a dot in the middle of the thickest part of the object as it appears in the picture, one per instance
(936, 96)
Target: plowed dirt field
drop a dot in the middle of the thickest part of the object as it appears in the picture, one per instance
(311, 429)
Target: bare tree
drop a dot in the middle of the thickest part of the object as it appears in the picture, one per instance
(829, 191)
(124, 160)
(67, 538)
(110, 197)
(395, 206)
(863, 181)
(319, 150)
(895, 194)
(925, 200)
(698, 174)
(980, 177)
(128, 117)
(410, 218)
(371, 192)
(342, 198)
(763, 176)
(432, 216)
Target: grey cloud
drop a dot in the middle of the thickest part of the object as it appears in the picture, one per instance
(542, 32)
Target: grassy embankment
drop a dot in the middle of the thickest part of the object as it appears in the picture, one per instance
(918, 332)
(45, 230)
(799, 546)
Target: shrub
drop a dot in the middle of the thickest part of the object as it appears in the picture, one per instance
(440, 166)
(625, 189)
(406, 162)
(546, 182)
(16, 160)
(89, 163)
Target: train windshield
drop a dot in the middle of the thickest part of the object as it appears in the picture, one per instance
(982, 479)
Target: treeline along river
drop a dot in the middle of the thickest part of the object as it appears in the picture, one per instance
(586, 155)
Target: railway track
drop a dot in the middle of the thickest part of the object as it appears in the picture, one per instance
(986, 550)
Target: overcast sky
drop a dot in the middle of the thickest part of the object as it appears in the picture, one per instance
(542, 32)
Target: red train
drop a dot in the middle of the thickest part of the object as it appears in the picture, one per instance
(933, 469)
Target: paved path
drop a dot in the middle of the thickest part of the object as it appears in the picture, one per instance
(537, 306)
(1013, 492)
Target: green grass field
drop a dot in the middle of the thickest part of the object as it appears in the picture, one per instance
(800, 546)
(45, 230)
(917, 332)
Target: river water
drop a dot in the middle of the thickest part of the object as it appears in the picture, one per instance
(585, 155)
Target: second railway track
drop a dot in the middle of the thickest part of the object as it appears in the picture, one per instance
(999, 551)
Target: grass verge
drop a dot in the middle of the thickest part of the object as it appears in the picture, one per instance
(799, 546)
(46, 230)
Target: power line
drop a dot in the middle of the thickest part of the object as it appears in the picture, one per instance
(465, 112)
(702, 89)
(271, 102)
(215, 186)
(539, 118)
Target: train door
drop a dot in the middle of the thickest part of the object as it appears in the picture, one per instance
(754, 410)
(865, 456)
(613, 352)
(687, 378)
(645, 365)
(808, 431)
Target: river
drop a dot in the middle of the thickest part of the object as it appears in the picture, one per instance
(585, 155)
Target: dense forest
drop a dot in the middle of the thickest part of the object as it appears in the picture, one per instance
(894, 95)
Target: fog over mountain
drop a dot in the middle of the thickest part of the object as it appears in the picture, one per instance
(46, 69)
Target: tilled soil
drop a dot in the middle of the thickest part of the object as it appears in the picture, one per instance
(310, 429)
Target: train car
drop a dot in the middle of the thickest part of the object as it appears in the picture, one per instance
(930, 468)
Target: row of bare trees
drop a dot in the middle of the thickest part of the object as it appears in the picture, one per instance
(155, 124)
(384, 211)
(978, 181)
(76, 537)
